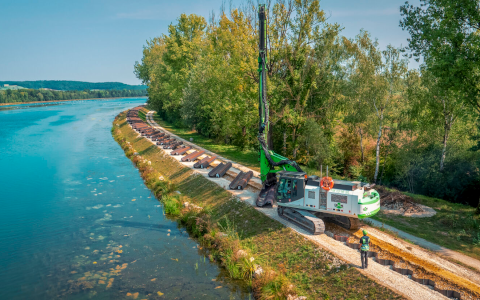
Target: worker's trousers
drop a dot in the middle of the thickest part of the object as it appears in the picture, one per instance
(364, 258)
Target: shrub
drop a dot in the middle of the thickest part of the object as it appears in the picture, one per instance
(271, 286)
(172, 205)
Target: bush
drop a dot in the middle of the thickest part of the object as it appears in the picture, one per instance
(418, 171)
(273, 287)
(172, 205)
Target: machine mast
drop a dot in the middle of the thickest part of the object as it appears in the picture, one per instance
(268, 159)
(262, 91)
(303, 199)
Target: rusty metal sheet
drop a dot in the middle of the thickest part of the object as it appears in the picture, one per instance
(180, 151)
(192, 156)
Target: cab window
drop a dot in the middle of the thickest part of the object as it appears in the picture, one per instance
(284, 190)
(288, 189)
(280, 188)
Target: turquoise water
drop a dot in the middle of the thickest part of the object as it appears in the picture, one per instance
(69, 228)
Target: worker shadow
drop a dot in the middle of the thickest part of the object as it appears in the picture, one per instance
(355, 266)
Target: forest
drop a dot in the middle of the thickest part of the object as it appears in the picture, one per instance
(32, 95)
(68, 85)
(336, 101)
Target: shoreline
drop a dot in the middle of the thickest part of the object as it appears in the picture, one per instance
(232, 230)
(38, 102)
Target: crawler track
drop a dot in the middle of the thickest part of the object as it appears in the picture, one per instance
(308, 221)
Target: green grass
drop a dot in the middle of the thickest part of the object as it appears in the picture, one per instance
(142, 115)
(312, 271)
(455, 226)
(171, 205)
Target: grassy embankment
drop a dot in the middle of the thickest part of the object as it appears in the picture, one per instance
(454, 226)
(235, 232)
(142, 114)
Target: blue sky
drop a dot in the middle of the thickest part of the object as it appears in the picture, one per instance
(100, 40)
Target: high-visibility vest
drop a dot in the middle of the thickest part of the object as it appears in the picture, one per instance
(365, 241)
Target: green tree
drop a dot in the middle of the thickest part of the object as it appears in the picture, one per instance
(387, 86)
(303, 55)
(442, 108)
(356, 89)
(445, 33)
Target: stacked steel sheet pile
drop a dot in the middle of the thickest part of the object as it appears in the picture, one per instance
(163, 139)
(160, 137)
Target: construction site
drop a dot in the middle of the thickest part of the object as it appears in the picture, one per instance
(409, 270)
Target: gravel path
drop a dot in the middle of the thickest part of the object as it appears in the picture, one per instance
(399, 283)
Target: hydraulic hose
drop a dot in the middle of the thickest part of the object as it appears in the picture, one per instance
(263, 93)
(263, 125)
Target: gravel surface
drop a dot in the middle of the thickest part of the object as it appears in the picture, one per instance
(399, 283)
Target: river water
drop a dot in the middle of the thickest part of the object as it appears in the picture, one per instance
(76, 220)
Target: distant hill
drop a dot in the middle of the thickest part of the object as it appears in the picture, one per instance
(10, 87)
(66, 85)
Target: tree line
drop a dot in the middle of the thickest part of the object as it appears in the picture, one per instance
(70, 85)
(32, 95)
(333, 101)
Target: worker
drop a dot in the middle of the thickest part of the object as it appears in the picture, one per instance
(364, 248)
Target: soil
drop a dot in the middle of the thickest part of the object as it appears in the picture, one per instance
(395, 202)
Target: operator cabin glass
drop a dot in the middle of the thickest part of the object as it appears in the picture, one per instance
(287, 189)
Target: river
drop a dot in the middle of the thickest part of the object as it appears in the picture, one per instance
(76, 220)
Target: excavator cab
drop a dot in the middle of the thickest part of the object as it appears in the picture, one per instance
(290, 186)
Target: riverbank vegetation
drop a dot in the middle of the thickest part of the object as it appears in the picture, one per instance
(71, 85)
(32, 95)
(333, 101)
(240, 237)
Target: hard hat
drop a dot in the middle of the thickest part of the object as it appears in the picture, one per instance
(364, 232)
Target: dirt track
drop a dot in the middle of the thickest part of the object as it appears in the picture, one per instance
(442, 251)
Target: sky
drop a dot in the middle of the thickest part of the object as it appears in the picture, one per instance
(100, 40)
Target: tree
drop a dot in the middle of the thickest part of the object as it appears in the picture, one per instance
(360, 70)
(375, 80)
(387, 86)
(443, 107)
(446, 34)
(301, 63)
(182, 48)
